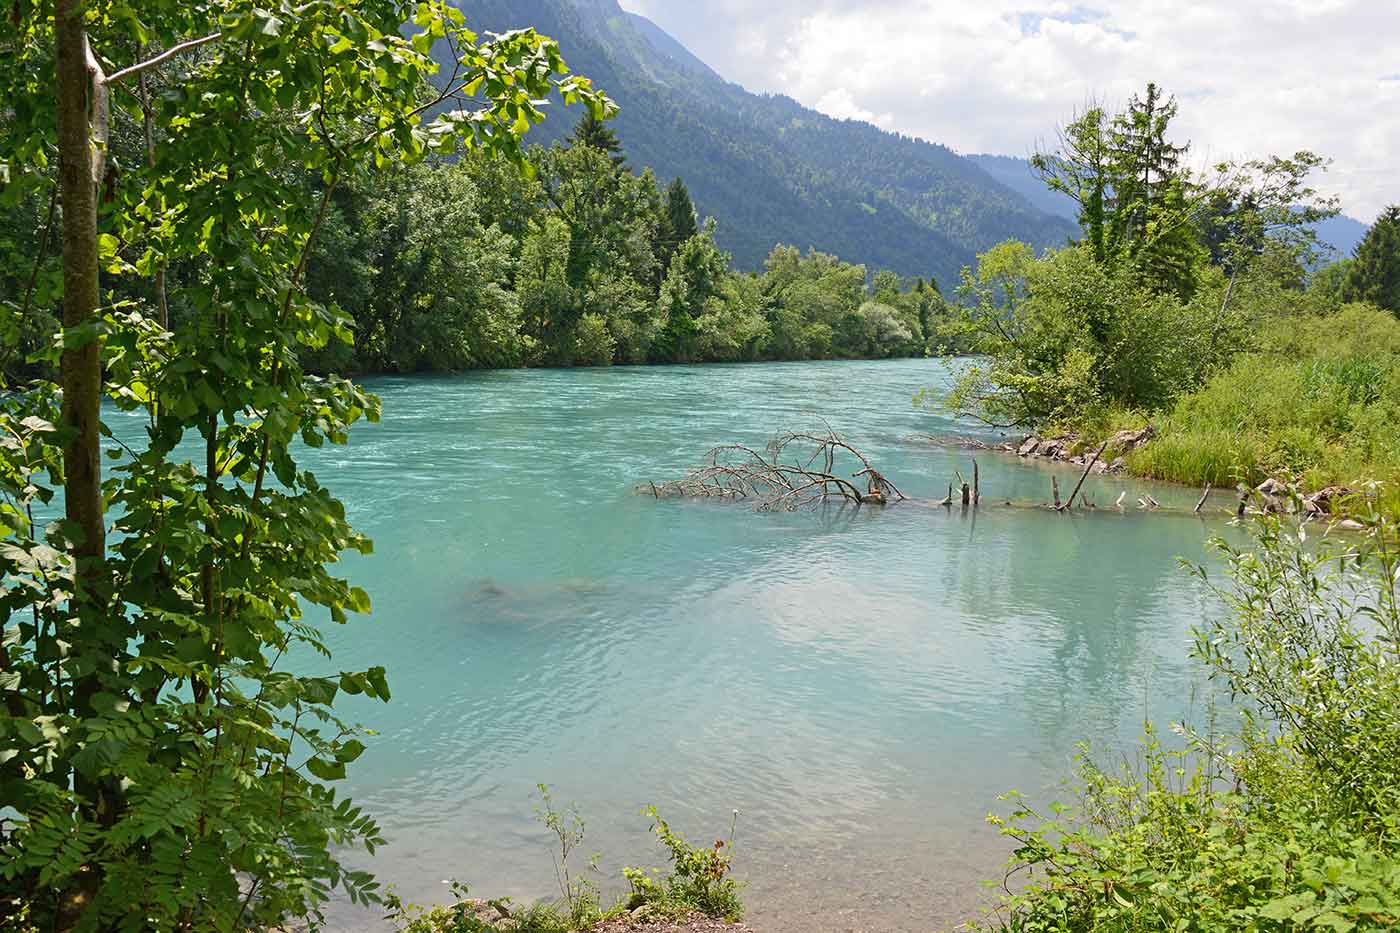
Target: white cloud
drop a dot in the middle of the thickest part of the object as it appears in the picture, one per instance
(1253, 77)
(839, 103)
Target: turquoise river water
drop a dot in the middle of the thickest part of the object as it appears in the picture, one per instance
(859, 686)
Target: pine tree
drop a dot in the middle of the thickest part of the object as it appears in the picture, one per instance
(592, 132)
(1151, 216)
(679, 222)
(1375, 274)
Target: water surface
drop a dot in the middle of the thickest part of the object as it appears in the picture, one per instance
(859, 685)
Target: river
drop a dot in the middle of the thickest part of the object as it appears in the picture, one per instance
(859, 686)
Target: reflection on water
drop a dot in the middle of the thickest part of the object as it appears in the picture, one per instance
(860, 685)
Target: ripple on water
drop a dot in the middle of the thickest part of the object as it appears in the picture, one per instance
(860, 685)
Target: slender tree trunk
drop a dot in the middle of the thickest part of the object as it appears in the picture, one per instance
(81, 116)
(80, 366)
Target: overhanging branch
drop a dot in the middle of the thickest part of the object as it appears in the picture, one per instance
(174, 50)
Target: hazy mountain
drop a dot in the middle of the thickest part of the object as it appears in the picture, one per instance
(661, 40)
(770, 170)
(1342, 233)
(1017, 175)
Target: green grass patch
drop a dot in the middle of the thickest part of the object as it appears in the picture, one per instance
(1318, 403)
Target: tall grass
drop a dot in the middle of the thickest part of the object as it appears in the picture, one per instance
(1318, 403)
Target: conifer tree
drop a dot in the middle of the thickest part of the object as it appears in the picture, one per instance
(679, 222)
(1374, 275)
(590, 131)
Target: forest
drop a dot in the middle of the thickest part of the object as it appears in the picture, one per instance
(465, 263)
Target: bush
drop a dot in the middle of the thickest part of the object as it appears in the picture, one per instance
(699, 881)
(1291, 821)
(1064, 334)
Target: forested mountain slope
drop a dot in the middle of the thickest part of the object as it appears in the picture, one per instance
(770, 170)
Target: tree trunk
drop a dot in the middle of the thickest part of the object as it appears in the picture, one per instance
(81, 113)
(80, 366)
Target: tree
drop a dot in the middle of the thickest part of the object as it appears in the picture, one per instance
(163, 770)
(1062, 333)
(1081, 169)
(608, 212)
(1266, 209)
(594, 133)
(1374, 275)
(679, 222)
(427, 284)
(1137, 203)
(694, 279)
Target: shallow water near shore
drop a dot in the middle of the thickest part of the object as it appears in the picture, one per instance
(860, 685)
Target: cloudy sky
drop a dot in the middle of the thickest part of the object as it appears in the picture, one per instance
(1253, 77)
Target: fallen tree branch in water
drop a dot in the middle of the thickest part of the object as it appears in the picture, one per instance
(1083, 476)
(795, 471)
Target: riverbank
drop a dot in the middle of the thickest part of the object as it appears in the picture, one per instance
(1316, 406)
(481, 916)
(1115, 455)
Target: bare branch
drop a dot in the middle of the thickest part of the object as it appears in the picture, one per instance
(797, 470)
(174, 50)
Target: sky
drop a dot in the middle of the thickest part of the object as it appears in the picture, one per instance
(1252, 77)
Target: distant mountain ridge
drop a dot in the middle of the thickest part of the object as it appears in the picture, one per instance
(770, 170)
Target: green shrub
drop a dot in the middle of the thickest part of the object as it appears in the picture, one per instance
(594, 344)
(1291, 821)
(699, 881)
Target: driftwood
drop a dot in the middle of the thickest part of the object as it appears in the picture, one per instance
(1202, 504)
(795, 471)
(1082, 477)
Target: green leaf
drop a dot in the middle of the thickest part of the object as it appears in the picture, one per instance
(326, 770)
(358, 600)
(350, 751)
(377, 680)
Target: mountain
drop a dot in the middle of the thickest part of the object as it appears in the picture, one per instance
(664, 44)
(1018, 175)
(1342, 233)
(768, 169)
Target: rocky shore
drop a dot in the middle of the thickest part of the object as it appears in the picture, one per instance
(1272, 495)
(1065, 449)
